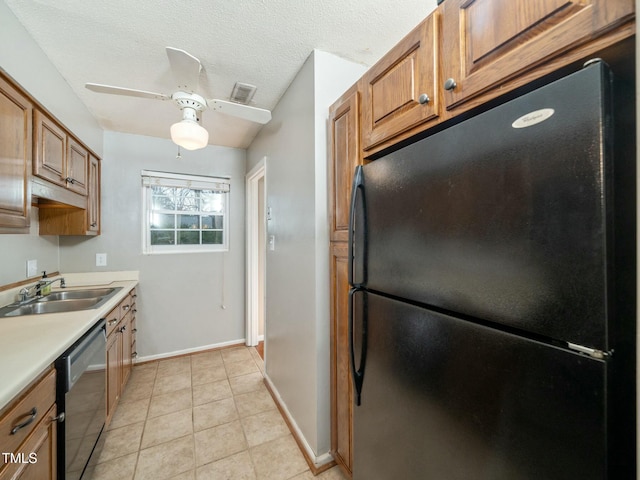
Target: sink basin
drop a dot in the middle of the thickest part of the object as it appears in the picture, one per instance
(76, 294)
(61, 301)
(34, 308)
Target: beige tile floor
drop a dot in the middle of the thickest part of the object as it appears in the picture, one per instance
(207, 416)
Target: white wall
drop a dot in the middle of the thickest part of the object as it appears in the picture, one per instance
(297, 272)
(27, 64)
(181, 296)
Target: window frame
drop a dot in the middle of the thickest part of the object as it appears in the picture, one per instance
(151, 178)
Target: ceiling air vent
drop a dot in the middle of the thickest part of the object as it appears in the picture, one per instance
(242, 93)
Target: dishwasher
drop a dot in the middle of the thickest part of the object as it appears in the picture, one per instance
(81, 397)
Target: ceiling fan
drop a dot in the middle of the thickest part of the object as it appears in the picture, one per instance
(186, 70)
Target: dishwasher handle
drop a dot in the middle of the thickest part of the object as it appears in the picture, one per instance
(78, 357)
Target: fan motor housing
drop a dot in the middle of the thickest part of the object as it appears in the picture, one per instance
(190, 104)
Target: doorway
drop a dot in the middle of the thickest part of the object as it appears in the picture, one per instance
(256, 252)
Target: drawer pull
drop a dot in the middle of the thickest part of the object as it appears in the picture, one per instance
(126, 307)
(134, 354)
(134, 330)
(32, 416)
(111, 322)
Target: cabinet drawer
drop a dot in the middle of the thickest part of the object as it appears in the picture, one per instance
(126, 306)
(113, 319)
(28, 411)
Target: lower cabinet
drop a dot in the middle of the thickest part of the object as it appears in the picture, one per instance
(120, 350)
(113, 373)
(28, 433)
(341, 383)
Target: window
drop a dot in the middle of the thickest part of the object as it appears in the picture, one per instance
(185, 213)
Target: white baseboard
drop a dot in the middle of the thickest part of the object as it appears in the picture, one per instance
(319, 461)
(187, 351)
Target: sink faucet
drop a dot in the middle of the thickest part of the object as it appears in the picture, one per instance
(25, 293)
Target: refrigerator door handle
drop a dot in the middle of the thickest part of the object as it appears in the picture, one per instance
(357, 191)
(357, 373)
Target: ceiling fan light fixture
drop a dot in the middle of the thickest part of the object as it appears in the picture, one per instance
(189, 135)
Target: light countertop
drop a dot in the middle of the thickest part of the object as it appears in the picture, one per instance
(30, 344)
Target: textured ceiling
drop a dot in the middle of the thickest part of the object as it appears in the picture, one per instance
(261, 42)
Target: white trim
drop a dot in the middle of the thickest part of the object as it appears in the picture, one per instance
(318, 460)
(253, 244)
(187, 351)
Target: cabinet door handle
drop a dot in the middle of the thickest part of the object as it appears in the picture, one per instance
(423, 99)
(60, 418)
(126, 307)
(94, 224)
(111, 322)
(134, 354)
(134, 330)
(70, 180)
(450, 84)
(32, 416)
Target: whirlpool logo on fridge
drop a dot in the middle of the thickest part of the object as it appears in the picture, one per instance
(20, 457)
(533, 118)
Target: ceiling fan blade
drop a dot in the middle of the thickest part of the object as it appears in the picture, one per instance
(97, 87)
(186, 69)
(254, 114)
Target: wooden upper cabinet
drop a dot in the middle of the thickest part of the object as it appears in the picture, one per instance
(50, 149)
(59, 158)
(345, 156)
(15, 159)
(488, 42)
(401, 91)
(77, 167)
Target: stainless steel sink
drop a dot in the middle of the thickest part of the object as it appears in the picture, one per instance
(34, 308)
(61, 301)
(76, 294)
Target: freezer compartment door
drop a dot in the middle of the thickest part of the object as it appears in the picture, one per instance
(503, 223)
(443, 398)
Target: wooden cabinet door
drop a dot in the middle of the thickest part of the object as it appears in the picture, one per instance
(77, 167)
(50, 150)
(15, 158)
(113, 372)
(125, 365)
(487, 42)
(341, 383)
(38, 453)
(93, 201)
(345, 156)
(392, 98)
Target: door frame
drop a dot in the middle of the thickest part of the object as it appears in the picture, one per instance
(253, 245)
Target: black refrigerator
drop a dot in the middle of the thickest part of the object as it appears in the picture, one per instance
(492, 301)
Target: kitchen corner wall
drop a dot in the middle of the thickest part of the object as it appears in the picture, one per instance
(297, 271)
(185, 301)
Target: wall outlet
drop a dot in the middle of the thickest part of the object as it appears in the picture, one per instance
(101, 259)
(32, 268)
